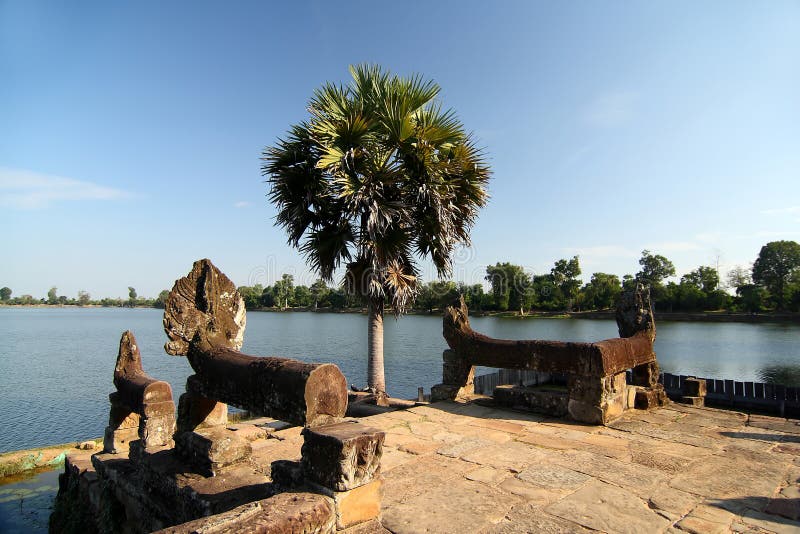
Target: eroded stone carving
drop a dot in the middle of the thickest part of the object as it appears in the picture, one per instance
(204, 319)
(596, 386)
(142, 406)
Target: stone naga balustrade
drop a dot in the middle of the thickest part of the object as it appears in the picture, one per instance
(142, 407)
(204, 319)
(596, 372)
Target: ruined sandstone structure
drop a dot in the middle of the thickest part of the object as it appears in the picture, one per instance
(210, 475)
(597, 390)
(142, 406)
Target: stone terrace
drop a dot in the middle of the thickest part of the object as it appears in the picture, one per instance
(470, 468)
(451, 467)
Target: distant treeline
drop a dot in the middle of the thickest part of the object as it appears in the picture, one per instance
(84, 299)
(771, 284)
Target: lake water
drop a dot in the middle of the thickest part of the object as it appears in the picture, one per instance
(56, 364)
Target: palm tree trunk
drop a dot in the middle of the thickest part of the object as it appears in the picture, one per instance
(375, 376)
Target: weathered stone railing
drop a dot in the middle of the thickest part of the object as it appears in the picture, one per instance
(204, 319)
(597, 390)
(142, 407)
(335, 485)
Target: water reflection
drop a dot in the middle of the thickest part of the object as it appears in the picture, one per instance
(780, 374)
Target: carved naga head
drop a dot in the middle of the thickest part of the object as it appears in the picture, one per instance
(203, 309)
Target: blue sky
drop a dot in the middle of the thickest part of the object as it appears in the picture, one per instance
(131, 132)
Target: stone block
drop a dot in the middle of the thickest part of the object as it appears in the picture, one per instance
(693, 401)
(117, 441)
(286, 474)
(196, 411)
(211, 449)
(540, 400)
(157, 431)
(597, 400)
(441, 392)
(630, 400)
(645, 375)
(648, 398)
(694, 387)
(121, 416)
(358, 505)
(285, 512)
(342, 456)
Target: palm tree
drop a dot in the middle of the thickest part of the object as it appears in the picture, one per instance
(378, 178)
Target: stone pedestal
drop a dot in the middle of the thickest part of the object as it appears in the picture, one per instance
(211, 449)
(694, 391)
(653, 397)
(196, 412)
(341, 456)
(154, 425)
(597, 400)
(458, 378)
(341, 461)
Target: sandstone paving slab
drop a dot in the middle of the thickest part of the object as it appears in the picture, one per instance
(605, 507)
(528, 518)
(500, 425)
(553, 477)
(419, 447)
(459, 448)
(788, 426)
(396, 439)
(487, 475)
(415, 477)
(714, 416)
(513, 456)
(571, 426)
(531, 493)
(661, 461)
(674, 502)
(755, 439)
(545, 441)
(392, 458)
(447, 437)
(634, 477)
(732, 474)
(402, 415)
(564, 431)
(434, 413)
(770, 523)
(640, 442)
(462, 506)
(608, 446)
(424, 428)
(384, 422)
(487, 434)
(671, 433)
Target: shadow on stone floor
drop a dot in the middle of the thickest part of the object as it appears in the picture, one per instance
(762, 437)
(763, 512)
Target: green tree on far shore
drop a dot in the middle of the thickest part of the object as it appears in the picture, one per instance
(777, 263)
(52, 297)
(84, 298)
(5, 294)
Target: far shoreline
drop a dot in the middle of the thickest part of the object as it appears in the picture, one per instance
(706, 317)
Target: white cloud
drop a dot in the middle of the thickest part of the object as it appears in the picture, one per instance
(612, 109)
(241, 204)
(24, 189)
